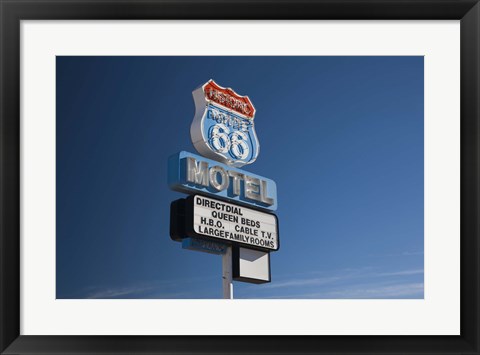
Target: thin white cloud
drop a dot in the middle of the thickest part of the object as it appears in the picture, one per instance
(154, 289)
(173, 295)
(118, 292)
(401, 273)
(361, 284)
(339, 276)
(303, 282)
(409, 253)
(403, 253)
(390, 291)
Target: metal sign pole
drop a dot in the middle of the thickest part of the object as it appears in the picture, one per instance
(227, 274)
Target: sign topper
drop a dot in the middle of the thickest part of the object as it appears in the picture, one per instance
(223, 128)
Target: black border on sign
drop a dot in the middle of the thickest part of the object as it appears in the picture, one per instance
(13, 11)
(177, 220)
(190, 230)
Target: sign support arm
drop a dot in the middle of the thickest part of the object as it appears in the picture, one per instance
(227, 274)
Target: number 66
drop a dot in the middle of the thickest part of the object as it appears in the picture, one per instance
(222, 141)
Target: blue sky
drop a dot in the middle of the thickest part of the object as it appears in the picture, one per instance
(341, 136)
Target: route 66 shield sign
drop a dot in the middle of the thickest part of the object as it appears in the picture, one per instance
(223, 128)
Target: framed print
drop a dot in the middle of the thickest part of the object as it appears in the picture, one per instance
(314, 163)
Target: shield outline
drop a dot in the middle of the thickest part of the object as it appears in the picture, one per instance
(197, 136)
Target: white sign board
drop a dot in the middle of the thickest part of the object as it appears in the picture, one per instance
(237, 224)
(250, 265)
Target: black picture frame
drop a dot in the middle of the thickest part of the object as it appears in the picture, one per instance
(13, 11)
